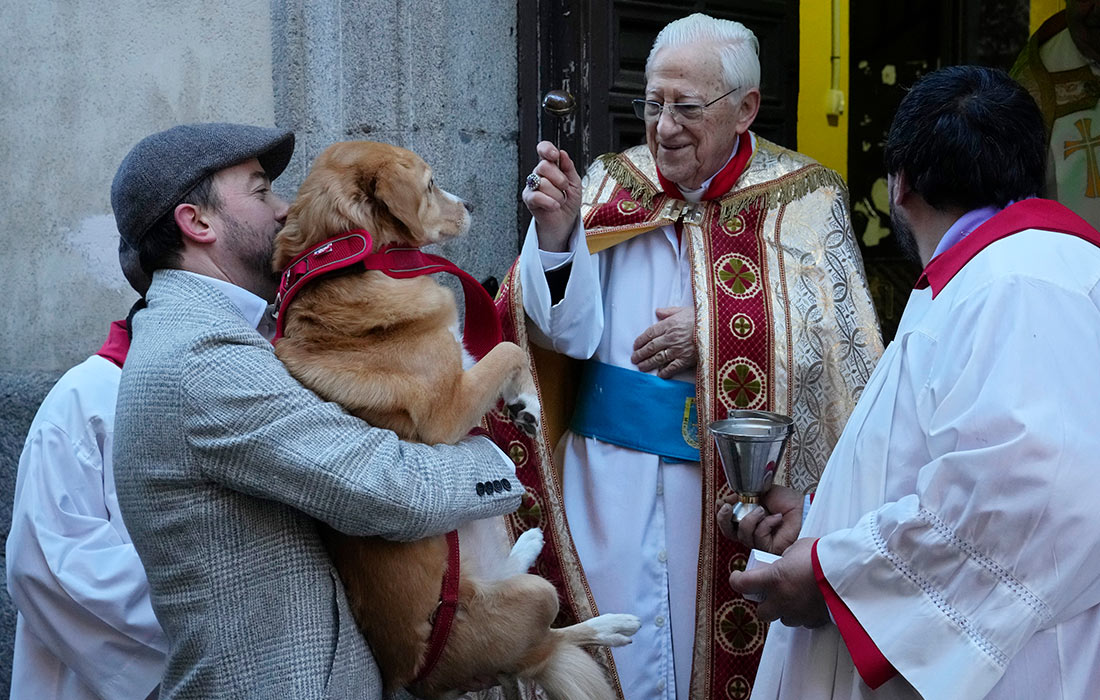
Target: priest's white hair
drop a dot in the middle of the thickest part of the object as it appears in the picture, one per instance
(737, 45)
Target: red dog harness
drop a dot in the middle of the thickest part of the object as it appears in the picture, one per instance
(444, 614)
(480, 332)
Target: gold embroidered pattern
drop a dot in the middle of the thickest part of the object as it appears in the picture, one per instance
(619, 168)
(739, 632)
(627, 206)
(734, 225)
(737, 276)
(742, 384)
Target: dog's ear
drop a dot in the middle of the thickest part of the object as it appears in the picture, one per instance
(400, 192)
(324, 207)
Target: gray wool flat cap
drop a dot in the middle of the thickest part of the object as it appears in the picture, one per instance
(162, 168)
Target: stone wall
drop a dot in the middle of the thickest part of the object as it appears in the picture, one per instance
(437, 77)
(84, 81)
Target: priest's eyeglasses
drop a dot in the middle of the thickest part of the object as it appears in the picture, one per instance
(682, 112)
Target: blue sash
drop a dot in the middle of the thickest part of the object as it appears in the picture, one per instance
(637, 410)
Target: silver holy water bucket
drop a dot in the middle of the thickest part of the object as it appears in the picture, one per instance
(750, 445)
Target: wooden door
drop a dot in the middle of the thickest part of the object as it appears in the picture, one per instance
(891, 46)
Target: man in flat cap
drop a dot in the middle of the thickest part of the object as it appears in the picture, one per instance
(224, 462)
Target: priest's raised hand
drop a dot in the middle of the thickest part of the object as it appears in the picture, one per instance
(552, 193)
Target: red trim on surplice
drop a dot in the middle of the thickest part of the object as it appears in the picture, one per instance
(873, 667)
(1042, 214)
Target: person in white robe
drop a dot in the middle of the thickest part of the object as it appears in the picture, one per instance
(85, 626)
(650, 307)
(951, 550)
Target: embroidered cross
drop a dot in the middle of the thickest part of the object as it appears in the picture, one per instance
(738, 688)
(1088, 144)
(742, 326)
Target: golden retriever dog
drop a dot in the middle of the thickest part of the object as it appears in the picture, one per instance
(386, 350)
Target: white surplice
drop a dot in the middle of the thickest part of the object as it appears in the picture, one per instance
(958, 512)
(86, 627)
(634, 517)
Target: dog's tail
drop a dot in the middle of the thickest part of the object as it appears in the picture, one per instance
(572, 674)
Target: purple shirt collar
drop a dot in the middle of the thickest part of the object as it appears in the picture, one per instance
(964, 225)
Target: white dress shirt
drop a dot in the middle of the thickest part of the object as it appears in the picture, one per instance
(254, 308)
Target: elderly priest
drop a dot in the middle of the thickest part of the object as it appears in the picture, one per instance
(704, 271)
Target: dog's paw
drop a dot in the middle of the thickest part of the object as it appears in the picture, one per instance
(526, 549)
(614, 629)
(524, 411)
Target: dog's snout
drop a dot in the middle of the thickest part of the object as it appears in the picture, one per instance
(469, 207)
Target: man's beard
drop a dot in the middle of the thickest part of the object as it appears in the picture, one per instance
(255, 249)
(903, 233)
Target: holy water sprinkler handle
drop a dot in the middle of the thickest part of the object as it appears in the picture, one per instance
(558, 104)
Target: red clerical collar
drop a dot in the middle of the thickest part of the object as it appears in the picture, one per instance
(1035, 213)
(726, 178)
(117, 344)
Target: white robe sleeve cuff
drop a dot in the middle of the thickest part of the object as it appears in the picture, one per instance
(574, 325)
(926, 638)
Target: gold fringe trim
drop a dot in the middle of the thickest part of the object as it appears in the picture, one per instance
(784, 190)
(780, 192)
(620, 170)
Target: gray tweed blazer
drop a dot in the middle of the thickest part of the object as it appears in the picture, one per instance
(224, 463)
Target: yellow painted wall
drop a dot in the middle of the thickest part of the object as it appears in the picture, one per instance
(1041, 10)
(819, 137)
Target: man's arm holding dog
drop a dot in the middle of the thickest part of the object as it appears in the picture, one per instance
(265, 434)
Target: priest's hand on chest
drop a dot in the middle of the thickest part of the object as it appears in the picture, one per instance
(790, 592)
(667, 346)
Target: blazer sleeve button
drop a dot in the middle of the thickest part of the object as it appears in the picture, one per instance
(480, 489)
